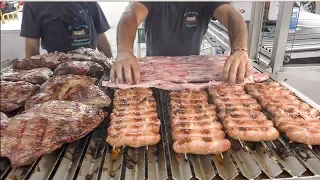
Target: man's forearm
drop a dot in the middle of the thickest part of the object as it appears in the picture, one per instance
(126, 32)
(32, 47)
(237, 31)
(104, 45)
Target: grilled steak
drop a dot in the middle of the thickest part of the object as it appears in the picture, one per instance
(51, 60)
(4, 120)
(45, 128)
(34, 76)
(69, 87)
(87, 54)
(88, 68)
(13, 95)
(134, 119)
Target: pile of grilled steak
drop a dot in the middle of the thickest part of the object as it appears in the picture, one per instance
(65, 107)
(241, 115)
(195, 128)
(134, 119)
(296, 119)
(45, 128)
(13, 95)
(91, 62)
(70, 87)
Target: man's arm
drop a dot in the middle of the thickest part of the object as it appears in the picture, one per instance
(31, 30)
(238, 62)
(32, 47)
(104, 45)
(126, 64)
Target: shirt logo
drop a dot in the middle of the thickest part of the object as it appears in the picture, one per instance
(190, 19)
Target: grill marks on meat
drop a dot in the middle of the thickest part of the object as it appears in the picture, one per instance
(241, 114)
(134, 119)
(194, 124)
(51, 60)
(70, 87)
(88, 68)
(34, 76)
(13, 95)
(4, 120)
(45, 128)
(291, 116)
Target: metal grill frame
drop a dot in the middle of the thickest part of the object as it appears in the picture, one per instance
(91, 158)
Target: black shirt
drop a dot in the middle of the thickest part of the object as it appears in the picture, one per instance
(63, 26)
(177, 28)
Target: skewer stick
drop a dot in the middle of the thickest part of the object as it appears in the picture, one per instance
(185, 156)
(221, 155)
(240, 141)
(309, 146)
(147, 147)
(273, 144)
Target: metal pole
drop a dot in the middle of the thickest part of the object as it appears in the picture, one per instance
(281, 35)
(317, 7)
(255, 28)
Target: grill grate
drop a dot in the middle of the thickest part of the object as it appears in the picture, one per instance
(91, 158)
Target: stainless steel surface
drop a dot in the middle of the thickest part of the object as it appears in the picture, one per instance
(255, 28)
(91, 158)
(281, 35)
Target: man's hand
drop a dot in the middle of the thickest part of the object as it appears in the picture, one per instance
(125, 69)
(237, 65)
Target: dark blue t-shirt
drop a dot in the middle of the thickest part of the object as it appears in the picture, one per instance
(63, 26)
(177, 28)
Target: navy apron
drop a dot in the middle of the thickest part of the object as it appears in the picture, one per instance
(70, 29)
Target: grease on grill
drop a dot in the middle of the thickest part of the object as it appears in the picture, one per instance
(130, 162)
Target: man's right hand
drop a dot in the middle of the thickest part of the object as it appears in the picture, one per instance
(125, 69)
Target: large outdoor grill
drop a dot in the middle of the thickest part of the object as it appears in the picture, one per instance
(91, 158)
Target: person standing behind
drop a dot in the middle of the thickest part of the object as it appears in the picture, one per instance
(177, 29)
(64, 26)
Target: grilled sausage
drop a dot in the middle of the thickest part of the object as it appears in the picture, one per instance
(302, 108)
(220, 102)
(195, 95)
(134, 139)
(196, 125)
(254, 134)
(244, 114)
(284, 126)
(247, 123)
(118, 103)
(309, 136)
(133, 121)
(294, 118)
(185, 133)
(196, 118)
(133, 92)
(134, 128)
(201, 145)
(265, 102)
(210, 107)
(133, 115)
(187, 102)
(230, 107)
(135, 108)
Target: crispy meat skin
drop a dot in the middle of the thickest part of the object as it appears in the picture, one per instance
(87, 54)
(88, 68)
(34, 76)
(51, 60)
(4, 120)
(134, 119)
(70, 87)
(13, 95)
(45, 128)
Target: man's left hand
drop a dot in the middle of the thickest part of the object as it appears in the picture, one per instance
(237, 67)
